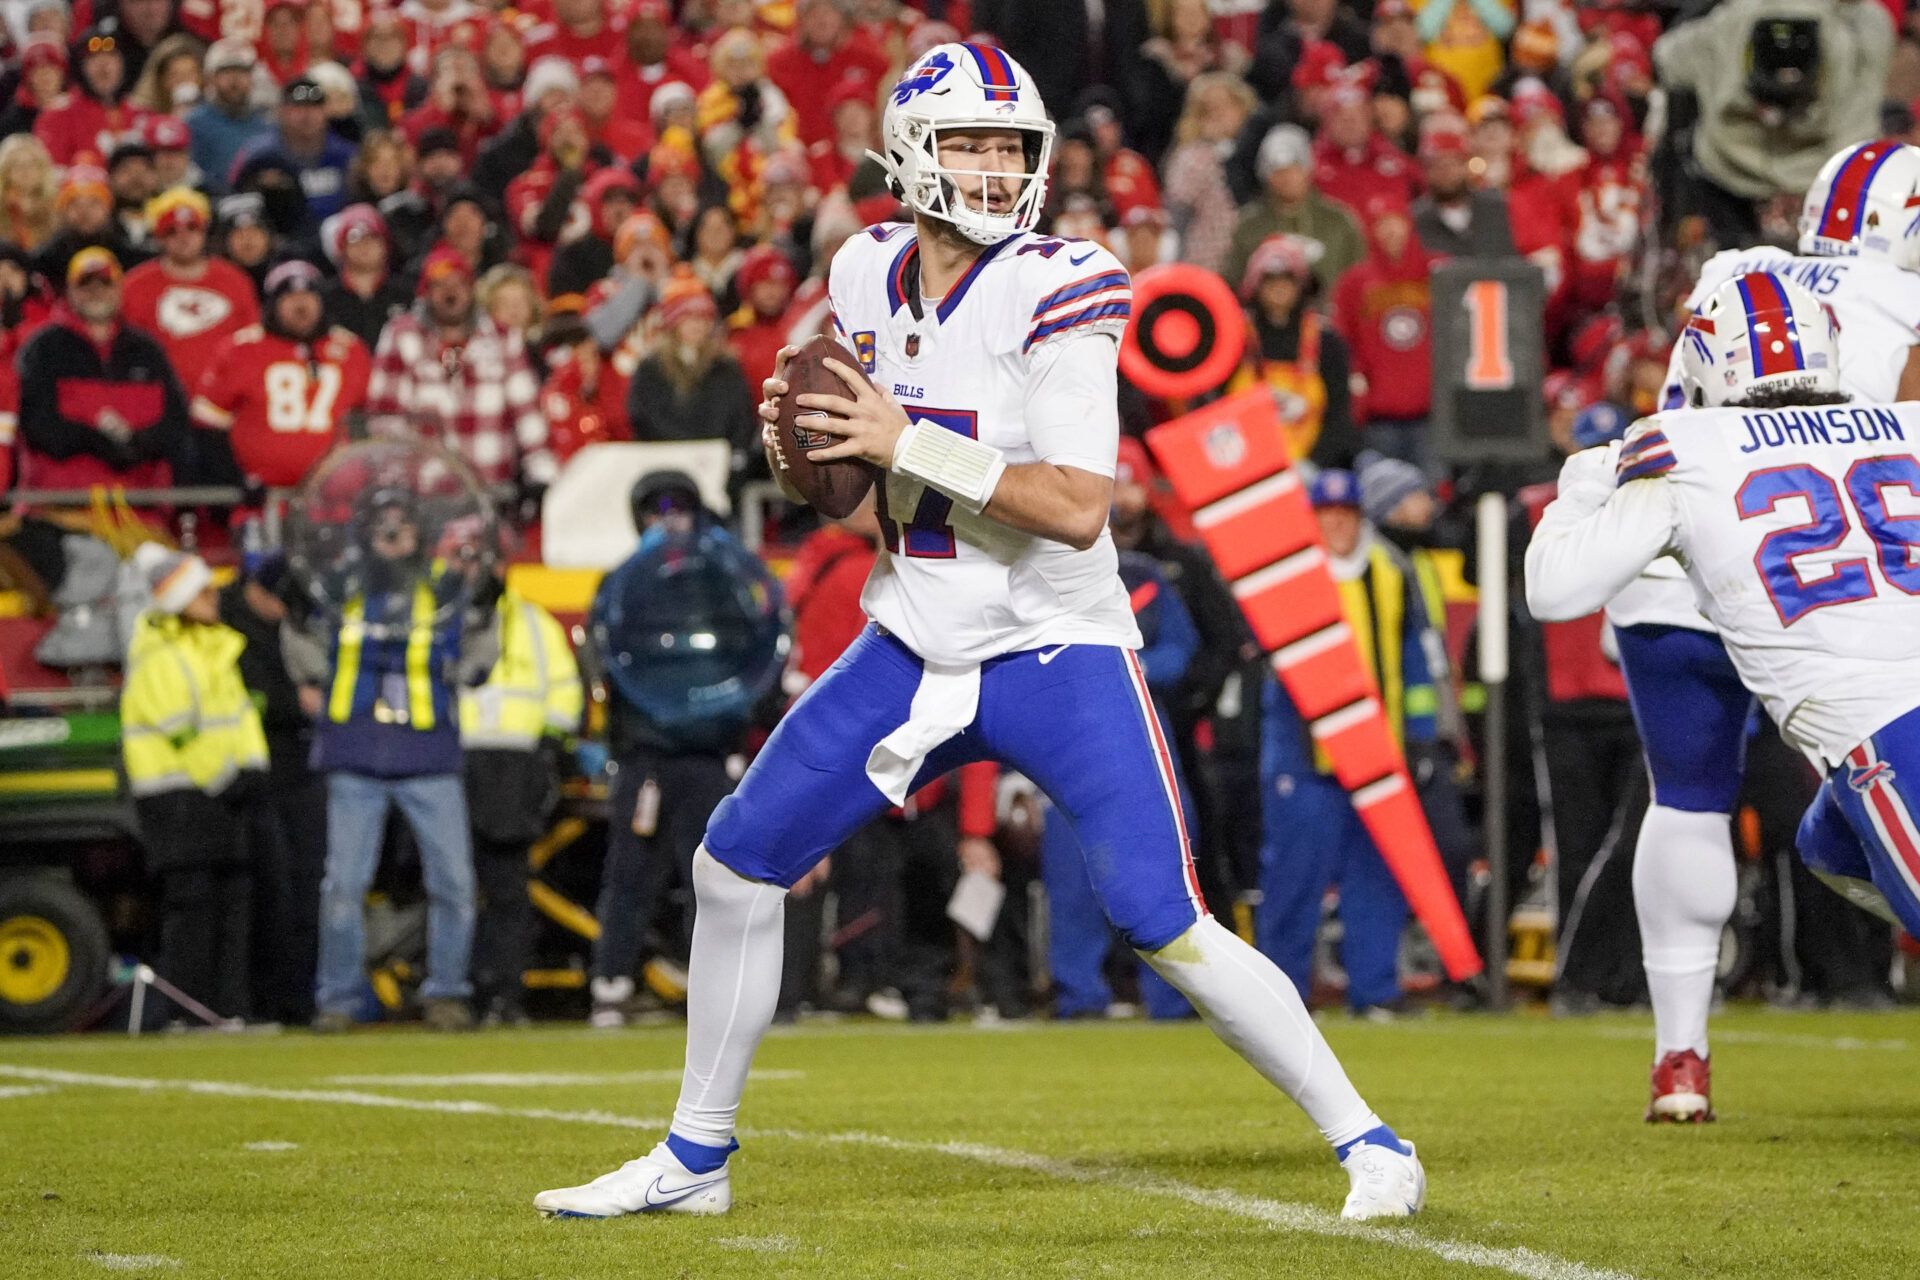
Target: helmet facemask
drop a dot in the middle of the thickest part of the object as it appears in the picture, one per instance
(932, 189)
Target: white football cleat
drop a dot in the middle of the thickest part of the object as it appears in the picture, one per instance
(655, 1183)
(1386, 1183)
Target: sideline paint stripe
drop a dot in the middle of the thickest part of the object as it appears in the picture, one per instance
(24, 1090)
(132, 1261)
(1527, 1263)
(535, 1079)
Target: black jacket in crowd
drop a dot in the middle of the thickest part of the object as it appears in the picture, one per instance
(63, 372)
(366, 317)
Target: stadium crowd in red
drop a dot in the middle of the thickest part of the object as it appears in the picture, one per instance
(598, 219)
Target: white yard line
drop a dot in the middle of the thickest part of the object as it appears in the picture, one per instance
(132, 1261)
(1278, 1214)
(533, 1079)
(24, 1090)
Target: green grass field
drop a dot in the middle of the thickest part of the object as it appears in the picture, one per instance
(1077, 1150)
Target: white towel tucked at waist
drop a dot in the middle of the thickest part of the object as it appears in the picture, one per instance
(946, 702)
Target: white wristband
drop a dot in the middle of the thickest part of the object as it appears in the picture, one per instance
(962, 468)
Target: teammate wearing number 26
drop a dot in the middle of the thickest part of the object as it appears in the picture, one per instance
(1000, 629)
(281, 390)
(1793, 510)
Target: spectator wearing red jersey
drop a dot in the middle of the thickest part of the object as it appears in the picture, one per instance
(99, 403)
(833, 161)
(1612, 189)
(1128, 178)
(24, 307)
(86, 120)
(584, 398)
(758, 330)
(448, 374)
(1383, 308)
(824, 52)
(540, 202)
(458, 101)
(625, 138)
(1544, 192)
(282, 391)
(1352, 162)
(653, 60)
(608, 198)
(579, 30)
(43, 79)
(365, 293)
(191, 302)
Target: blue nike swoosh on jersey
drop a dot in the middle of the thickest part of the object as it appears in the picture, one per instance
(1083, 257)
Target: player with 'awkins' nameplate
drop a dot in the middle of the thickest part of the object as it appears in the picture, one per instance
(1000, 630)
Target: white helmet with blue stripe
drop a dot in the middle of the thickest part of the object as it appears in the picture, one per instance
(1758, 330)
(1866, 203)
(955, 87)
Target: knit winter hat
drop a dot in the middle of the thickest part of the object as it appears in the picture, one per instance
(1385, 483)
(174, 577)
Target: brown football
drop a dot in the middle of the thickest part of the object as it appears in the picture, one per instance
(831, 488)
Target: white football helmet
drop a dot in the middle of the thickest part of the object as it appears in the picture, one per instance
(964, 86)
(1758, 330)
(1866, 203)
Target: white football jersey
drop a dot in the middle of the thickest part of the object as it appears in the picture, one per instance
(987, 361)
(1877, 306)
(1798, 529)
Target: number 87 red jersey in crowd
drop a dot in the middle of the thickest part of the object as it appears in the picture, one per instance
(283, 403)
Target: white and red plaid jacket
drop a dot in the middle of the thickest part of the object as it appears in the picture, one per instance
(480, 399)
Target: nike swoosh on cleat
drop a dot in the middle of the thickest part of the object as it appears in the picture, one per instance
(674, 1199)
(1050, 654)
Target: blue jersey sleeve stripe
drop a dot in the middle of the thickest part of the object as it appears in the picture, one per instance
(1118, 309)
(1652, 439)
(1079, 289)
(1641, 468)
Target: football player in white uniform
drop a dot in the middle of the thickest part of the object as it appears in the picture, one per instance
(1792, 508)
(1859, 250)
(1000, 629)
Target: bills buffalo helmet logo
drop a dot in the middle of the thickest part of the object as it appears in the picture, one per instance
(931, 71)
(1863, 777)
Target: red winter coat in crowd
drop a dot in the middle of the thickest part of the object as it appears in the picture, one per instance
(470, 130)
(76, 124)
(755, 340)
(1130, 182)
(635, 85)
(557, 40)
(579, 414)
(1353, 176)
(1383, 307)
(1606, 230)
(809, 80)
(34, 311)
(1543, 211)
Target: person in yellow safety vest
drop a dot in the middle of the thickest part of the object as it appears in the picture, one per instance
(1312, 837)
(388, 735)
(510, 729)
(1402, 509)
(194, 749)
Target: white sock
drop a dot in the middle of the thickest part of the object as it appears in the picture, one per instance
(733, 984)
(1253, 1006)
(1683, 894)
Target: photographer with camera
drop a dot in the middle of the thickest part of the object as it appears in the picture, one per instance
(1780, 86)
